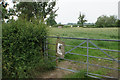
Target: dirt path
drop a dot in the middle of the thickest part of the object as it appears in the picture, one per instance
(58, 73)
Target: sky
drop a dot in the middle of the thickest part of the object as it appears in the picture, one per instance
(69, 10)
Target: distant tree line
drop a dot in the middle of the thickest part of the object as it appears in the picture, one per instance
(102, 21)
(107, 21)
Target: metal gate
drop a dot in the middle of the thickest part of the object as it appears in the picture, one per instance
(88, 42)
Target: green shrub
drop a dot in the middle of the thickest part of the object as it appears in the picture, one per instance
(75, 25)
(66, 26)
(118, 23)
(90, 26)
(22, 48)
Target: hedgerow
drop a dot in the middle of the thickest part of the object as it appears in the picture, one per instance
(22, 43)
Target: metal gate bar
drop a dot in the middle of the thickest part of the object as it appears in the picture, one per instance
(92, 56)
(83, 38)
(103, 51)
(87, 56)
(67, 69)
(101, 75)
(88, 47)
(88, 63)
(75, 47)
(89, 41)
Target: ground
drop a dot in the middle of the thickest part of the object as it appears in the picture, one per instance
(58, 73)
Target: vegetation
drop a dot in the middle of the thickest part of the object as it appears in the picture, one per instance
(30, 10)
(66, 26)
(118, 23)
(4, 11)
(38, 10)
(81, 20)
(102, 21)
(105, 21)
(51, 20)
(22, 43)
(23, 40)
(92, 33)
(80, 74)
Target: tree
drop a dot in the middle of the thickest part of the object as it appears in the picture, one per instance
(51, 20)
(37, 10)
(101, 21)
(106, 21)
(118, 23)
(4, 10)
(111, 21)
(81, 19)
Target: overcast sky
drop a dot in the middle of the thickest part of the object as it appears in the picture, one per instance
(69, 9)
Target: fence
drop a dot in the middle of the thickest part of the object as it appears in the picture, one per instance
(88, 41)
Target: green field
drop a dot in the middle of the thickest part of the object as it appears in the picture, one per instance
(91, 33)
(94, 33)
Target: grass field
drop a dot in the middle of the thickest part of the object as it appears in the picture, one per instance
(94, 33)
(91, 33)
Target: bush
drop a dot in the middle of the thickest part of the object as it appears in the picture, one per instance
(106, 21)
(75, 25)
(118, 23)
(90, 26)
(22, 48)
(66, 26)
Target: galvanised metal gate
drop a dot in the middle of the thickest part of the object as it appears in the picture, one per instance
(88, 41)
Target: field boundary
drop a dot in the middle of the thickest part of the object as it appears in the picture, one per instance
(88, 41)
